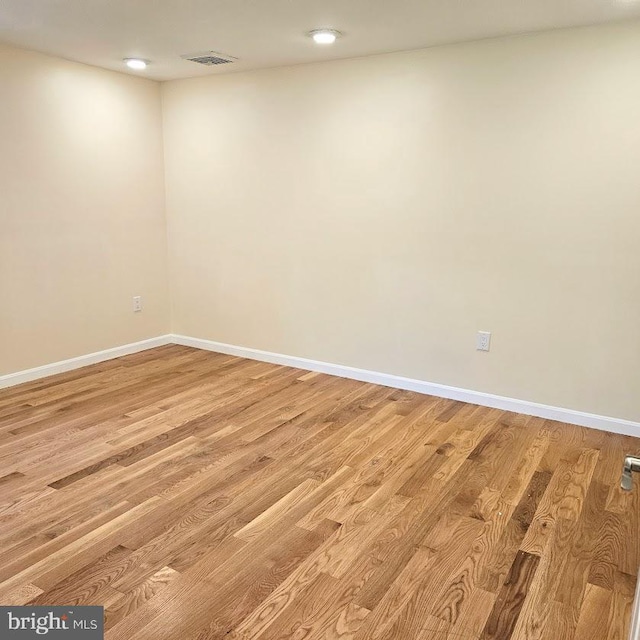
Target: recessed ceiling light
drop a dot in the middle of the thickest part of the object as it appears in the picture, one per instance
(324, 36)
(136, 63)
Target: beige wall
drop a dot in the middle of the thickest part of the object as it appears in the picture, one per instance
(378, 212)
(373, 212)
(82, 225)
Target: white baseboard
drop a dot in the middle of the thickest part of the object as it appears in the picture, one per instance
(604, 423)
(28, 375)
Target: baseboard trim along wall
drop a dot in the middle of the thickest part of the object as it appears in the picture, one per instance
(46, 370)
(604, 423)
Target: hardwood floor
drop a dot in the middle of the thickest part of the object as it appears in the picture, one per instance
(202, 496)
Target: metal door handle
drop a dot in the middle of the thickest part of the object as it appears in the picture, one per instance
(631, 464)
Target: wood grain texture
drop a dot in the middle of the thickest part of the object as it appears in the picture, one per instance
(506, 610)
(202, 496)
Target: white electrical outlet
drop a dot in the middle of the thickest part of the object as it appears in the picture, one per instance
(137, 304)
(483, 340)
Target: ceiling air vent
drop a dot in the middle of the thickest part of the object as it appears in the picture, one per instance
(209, 58)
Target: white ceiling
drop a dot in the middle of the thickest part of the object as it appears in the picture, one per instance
(268, 33)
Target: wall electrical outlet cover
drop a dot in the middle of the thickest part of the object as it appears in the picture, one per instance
(137, 304)
(483, 341)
